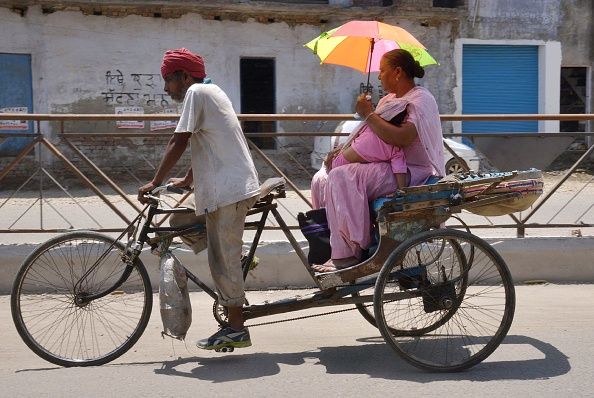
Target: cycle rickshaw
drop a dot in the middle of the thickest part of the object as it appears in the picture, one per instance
(442, 298)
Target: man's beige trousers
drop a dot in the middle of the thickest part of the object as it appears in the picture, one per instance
(224, 241)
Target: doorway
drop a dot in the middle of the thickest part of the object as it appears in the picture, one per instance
(16, 96)
(258, 95)
(575, 99)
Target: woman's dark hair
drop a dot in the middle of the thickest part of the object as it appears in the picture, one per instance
(404, 59)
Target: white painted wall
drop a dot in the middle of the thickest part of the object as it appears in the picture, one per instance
(71, 54)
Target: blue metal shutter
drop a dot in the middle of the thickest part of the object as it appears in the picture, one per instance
(16, 90)
(499, 79)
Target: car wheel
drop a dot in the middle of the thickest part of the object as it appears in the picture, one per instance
(455, 166)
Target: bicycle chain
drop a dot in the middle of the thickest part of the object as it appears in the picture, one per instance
(304, 317)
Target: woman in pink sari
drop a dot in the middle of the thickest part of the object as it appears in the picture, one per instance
(362, 171)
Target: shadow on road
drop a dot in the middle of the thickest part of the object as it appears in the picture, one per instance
(374, 359)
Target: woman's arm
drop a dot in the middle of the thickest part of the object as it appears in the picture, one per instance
(400, 136)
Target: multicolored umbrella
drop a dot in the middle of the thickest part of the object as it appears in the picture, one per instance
(360, 45)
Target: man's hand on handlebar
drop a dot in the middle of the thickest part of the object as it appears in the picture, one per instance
(180, 182)
(145, 189)
(148, 193)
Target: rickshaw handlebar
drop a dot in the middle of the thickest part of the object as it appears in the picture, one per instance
(154, 193)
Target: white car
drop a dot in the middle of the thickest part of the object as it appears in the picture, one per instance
(323, 145)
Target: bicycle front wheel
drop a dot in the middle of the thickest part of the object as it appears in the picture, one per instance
(59, 327)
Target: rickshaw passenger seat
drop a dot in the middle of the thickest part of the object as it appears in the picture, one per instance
(378, 203)
(375, 205)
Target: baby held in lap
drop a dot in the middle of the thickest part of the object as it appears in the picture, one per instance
(357, 154)
(367, 147)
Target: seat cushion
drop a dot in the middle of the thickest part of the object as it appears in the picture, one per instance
(379, 202)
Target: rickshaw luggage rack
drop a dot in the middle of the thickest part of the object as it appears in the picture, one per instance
(442, 299)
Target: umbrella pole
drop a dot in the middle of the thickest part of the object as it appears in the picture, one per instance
(369, 64)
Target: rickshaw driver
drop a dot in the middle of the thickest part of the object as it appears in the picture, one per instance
(225, 181)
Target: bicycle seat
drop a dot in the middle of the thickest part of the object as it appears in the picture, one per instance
(270, 185)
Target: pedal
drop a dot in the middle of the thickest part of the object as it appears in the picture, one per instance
(225, 349)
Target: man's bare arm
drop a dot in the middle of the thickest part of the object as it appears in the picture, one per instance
(174, 150)
(184, 181)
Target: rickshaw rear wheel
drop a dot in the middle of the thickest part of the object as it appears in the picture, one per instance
(366, 310)
(479, 301)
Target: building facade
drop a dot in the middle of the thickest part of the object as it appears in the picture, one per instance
(104, 56)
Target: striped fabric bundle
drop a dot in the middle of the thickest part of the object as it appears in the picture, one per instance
(527, 192)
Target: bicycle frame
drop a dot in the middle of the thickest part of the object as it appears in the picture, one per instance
(265, 206)
(403, 257)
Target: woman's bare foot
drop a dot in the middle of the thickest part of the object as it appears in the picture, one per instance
(324, 267)
(335, 264)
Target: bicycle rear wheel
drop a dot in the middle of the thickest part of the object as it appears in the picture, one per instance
(61, 329)
(461, 307)
(365, 309)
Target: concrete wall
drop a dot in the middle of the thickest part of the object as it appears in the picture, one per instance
(73, 53)
(279, 266)
(91, 64)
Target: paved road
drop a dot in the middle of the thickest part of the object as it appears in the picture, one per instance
(548, 353)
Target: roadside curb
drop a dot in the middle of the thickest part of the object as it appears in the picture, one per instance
(553, 259)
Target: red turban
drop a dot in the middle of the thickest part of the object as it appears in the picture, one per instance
(183, 59)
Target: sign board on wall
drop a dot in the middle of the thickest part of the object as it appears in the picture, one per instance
(129, 110)
(14, 124)
(164, 124)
